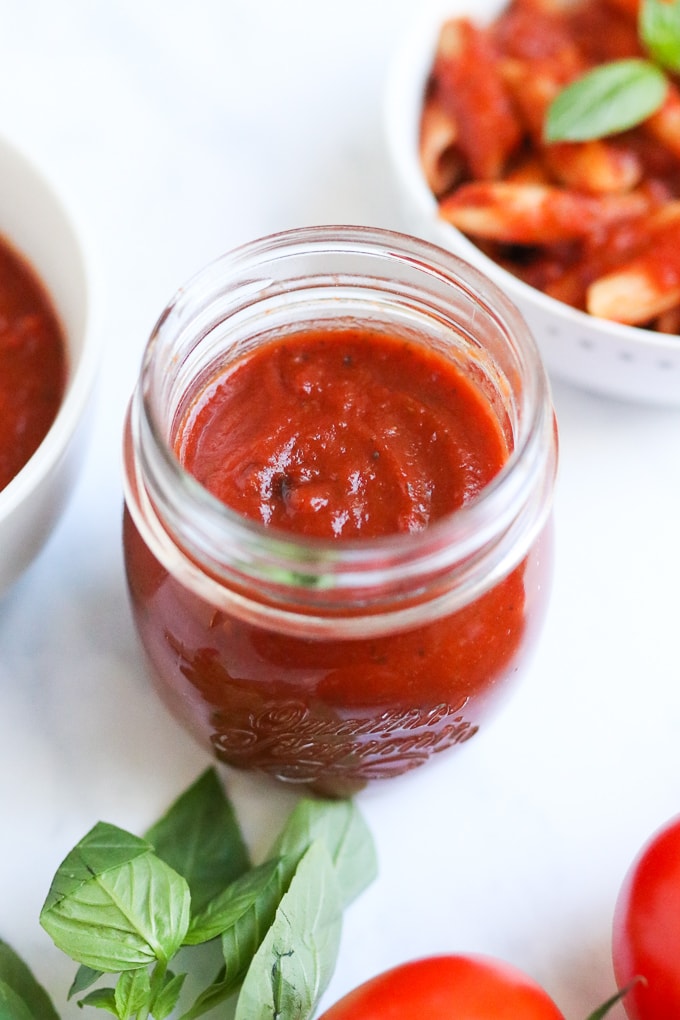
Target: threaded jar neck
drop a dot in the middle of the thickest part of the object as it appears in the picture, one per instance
(333, 277)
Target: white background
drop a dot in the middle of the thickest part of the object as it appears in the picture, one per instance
(176, 130)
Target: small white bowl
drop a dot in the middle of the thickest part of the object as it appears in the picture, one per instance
(36, 224)
(620, 361)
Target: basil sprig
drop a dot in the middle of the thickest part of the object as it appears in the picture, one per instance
(21, 997)
(618, 95)
(154, 912)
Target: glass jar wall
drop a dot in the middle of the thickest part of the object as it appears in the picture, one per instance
(334, 660)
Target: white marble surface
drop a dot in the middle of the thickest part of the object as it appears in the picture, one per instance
(176, 130)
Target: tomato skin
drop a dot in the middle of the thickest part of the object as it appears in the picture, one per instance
(444, 987)
(646, 929)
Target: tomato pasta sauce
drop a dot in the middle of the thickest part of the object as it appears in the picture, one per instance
(343, 434)
(33, 363)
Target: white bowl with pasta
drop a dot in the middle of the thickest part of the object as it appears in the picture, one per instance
(618, 360)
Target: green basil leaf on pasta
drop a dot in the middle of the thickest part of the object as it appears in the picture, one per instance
(659, 30)
(612, 98)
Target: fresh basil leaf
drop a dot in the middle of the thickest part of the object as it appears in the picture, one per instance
(200, 838)
(611, 98)
(85, 978)
(295, 961)
(340, 826)
(101, 998)
(167, 998)
(250, 900)
(659, 30)
(242, 915)
(132, 992)
(17, 976)
(102, 848)
(13, 1007)
(243, 937)
(211, 997)
(123, 917)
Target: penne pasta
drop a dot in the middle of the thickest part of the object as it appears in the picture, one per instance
(439, 156)
(665, 124)
(533, 87)
(530, 170)
(605, 251)
(631, 295)
(594, 223)
(668, 321)
(629, 7)
(606, 30)
(599, 167)
(644, 287)
(467, 83)
(529, 31)
(533, 213)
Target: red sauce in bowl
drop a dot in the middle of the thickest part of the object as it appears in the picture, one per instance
(33, 363)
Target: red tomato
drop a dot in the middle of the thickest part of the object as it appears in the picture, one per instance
(444, 987)
(646, 935)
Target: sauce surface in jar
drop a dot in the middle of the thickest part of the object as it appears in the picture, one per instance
(344, 434)
(32, 363)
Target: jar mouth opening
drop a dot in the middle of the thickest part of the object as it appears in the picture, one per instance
(245, 283)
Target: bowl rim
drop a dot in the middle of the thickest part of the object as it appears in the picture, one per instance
(83, 366)
(406, 78)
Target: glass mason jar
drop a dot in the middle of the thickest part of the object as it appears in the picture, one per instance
(321, 661)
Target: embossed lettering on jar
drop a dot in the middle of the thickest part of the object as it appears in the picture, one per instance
(339, 466)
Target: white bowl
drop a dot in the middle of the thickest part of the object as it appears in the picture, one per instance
(620, 361)
(36, 224)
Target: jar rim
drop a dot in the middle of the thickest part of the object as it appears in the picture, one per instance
(316, 563)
